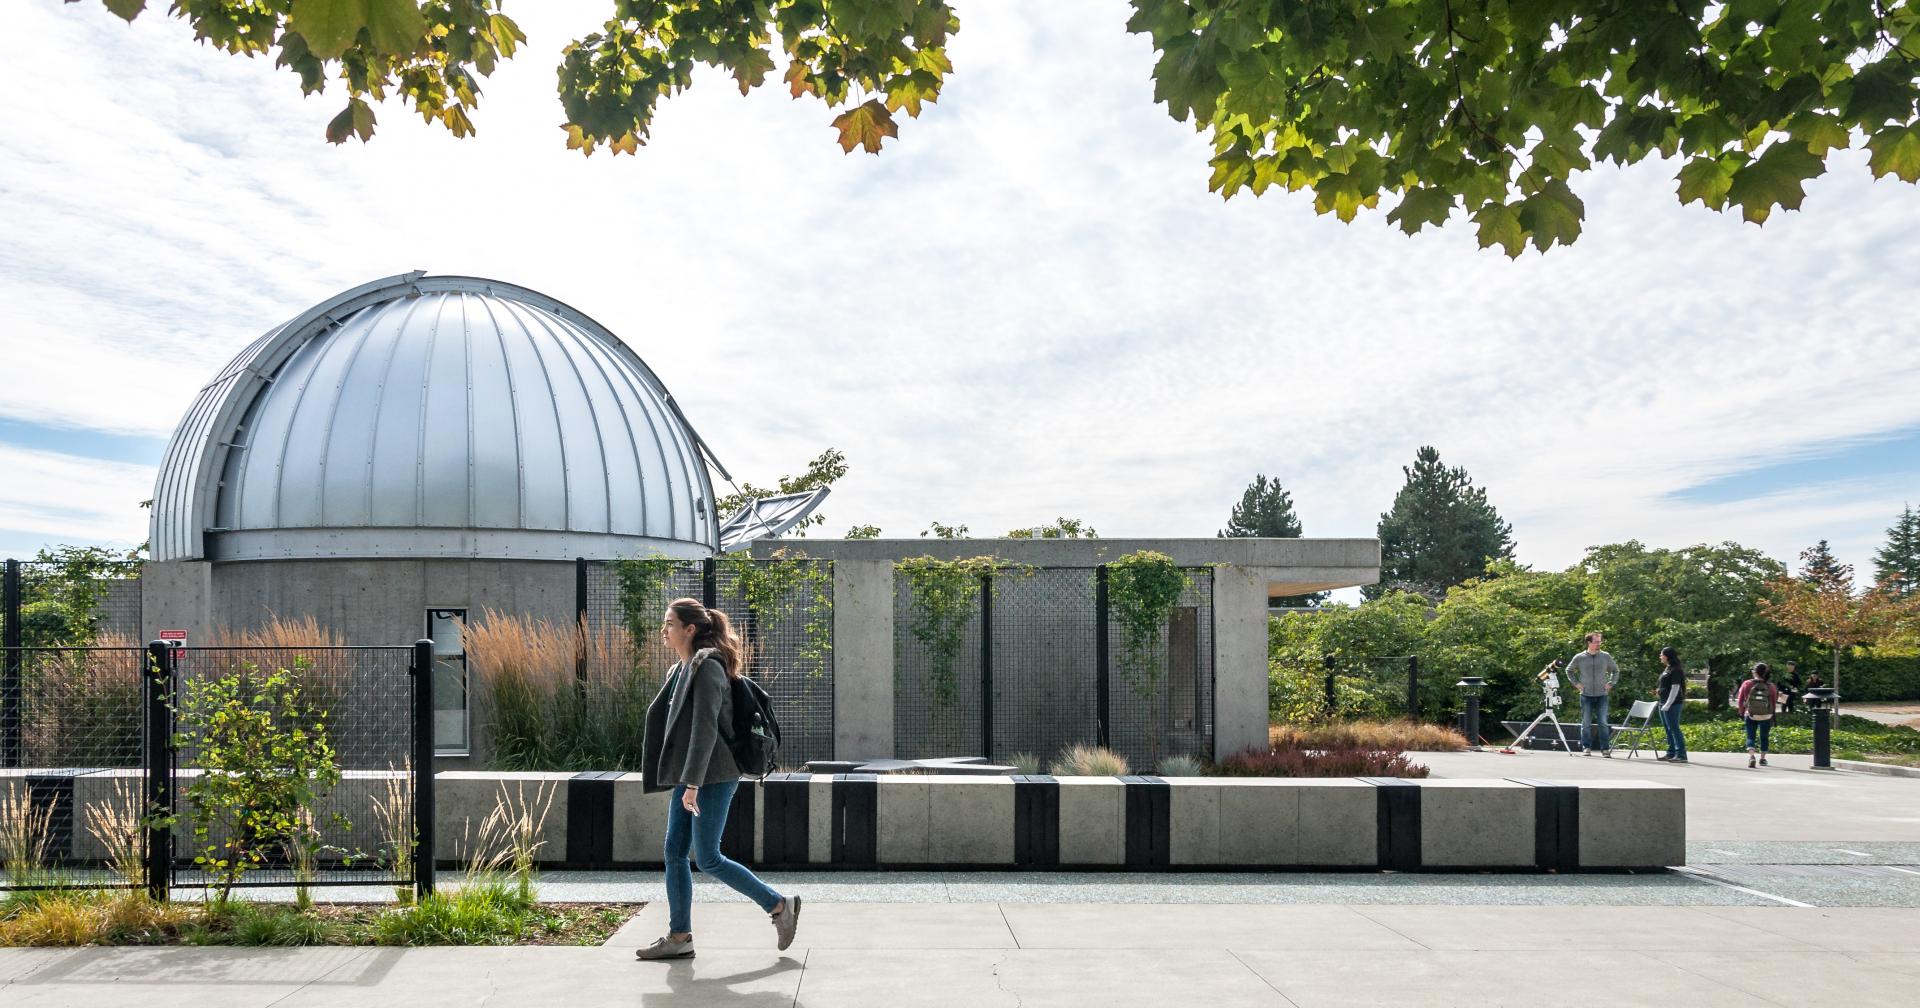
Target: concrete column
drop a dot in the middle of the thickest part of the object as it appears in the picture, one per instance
(862, 659)
(177, 595)
(1240, 660)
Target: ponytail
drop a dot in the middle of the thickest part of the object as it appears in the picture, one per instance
(711, 629)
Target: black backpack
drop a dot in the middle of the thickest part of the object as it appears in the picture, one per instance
(755, 742)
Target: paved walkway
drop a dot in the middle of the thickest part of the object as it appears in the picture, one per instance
(852, 955)
(1788, 801)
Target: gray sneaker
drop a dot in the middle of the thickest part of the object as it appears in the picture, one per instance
(666, 948)
(787, 921)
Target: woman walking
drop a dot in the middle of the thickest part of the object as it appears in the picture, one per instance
(685, 749)
(1672, 693)
(1757, 700)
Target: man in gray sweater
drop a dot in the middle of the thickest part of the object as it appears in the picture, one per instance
(1593, 673)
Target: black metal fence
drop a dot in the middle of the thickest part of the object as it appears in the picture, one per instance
(786, 618)
(120, 772)
(58, 607)
(1040, 668)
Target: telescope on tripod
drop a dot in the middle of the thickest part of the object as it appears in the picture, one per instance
(1550, 698)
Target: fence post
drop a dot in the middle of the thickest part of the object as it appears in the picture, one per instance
(10, 684)
(1328, 662)
(580, 621)
(1102, 615)
(156, 765)
(421, 669)
(710, 583)
(1413, 687)
(986, 666)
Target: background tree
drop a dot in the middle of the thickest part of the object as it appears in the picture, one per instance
(1266, 511)
(824, 471)
(1821, 604)
(1440, 532)
(1062, 528)
(1487, 110)
(1702, 600)
(864, 532)
(1897, 563)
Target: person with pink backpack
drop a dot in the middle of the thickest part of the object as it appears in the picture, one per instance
(1758, 699)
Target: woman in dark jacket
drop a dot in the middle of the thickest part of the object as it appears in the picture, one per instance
(1671, 698)
(685, 749)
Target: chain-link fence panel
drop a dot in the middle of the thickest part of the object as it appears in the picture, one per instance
(70, 758)
(92, 604)
(1160, 701)
(253, 724)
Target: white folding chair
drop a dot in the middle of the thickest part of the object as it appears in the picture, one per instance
(1643, 710)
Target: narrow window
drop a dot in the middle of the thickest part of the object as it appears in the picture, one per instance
(449, 681)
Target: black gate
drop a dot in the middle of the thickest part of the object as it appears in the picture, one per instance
(111, 777)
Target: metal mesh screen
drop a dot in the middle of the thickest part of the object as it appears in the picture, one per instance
(62, 607)
(1044, 668)
(936, 704)
(361, 698)
(1161, 704)
(70, 797)
(790, 637)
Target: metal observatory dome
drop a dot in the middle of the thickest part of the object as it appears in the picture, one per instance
(435, 416)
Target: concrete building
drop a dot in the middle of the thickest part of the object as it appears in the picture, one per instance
(401, 457)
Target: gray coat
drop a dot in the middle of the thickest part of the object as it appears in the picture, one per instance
(1594, 673)
(687, 726)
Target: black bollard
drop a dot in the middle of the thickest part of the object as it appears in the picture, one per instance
(1820, 703)
(1470, 687)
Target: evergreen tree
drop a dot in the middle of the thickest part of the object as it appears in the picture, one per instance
(1440, 532)
(1266, 511)
(1898, 562)
(1820, 567)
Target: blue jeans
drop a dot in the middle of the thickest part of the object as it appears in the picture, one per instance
(1595, 732)
(1676, 742)
(1763, 730)
(700, 835)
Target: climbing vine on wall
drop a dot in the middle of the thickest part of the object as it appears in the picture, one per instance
(945, 595)
(1142, 590)
(789, 581)
(643, 593)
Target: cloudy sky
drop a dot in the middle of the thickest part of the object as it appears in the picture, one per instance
(1029, 306)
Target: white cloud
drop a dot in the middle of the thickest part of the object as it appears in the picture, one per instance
(70, 499)
(1028, 306)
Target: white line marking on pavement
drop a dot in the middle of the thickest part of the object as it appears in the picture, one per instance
(1900, 869)
(1855, 853)
(1704, 877)
(1728, 853)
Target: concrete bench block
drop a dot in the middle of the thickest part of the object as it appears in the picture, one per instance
(903, 816)
(639, 821)
(1632, 824)
(1476, 824)
(1193, 820)
(820, 819)
(1339, 822)
(969, 820)
(1259, 821)
(1093, 821)
(464, 798)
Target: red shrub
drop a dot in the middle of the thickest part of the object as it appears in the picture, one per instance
(1321, 763)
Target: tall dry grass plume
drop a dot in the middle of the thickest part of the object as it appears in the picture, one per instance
(393, 822)
(26, 832)
(560, 697)
(1089, 761)
(81, 706)
(1395, 736)
(508, 839)
(299, 645)
(116, 825)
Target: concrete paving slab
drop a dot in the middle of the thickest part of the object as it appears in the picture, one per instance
(18, 962)
(187, 977)
(1836, 929)
(1557, 929)
(1182, 926)
(907, 978)
(1483, 980)
(1783, 976)
(1904, 963)
(840, 925)
(1115, 978)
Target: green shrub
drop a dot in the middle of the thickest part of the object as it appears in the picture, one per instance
(1089, 761)
(1025, 763)
(488, 912)
(1320, 763)
(1181, 766)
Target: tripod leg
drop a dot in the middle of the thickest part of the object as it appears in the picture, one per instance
(1562, 732)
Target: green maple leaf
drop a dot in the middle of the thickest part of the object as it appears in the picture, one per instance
(1500, 225)
(1896, 151)
(395, 27)
(1705, 178)
(865, 126)
(1774, 179)
(1552, 215)
(354, 120)
(126, 10)
(1420, 207)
